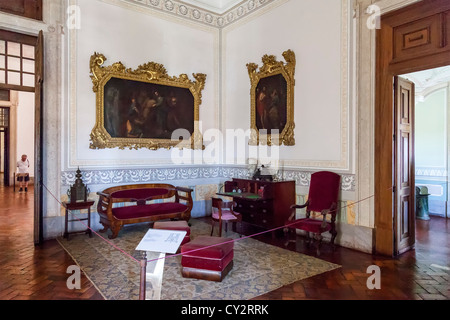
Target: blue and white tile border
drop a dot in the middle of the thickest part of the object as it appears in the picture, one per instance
(147, 175)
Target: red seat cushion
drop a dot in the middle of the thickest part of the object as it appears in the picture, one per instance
(214, 247)
(310, 225)
(131, 212)
(207, 263)
(216, 254)
(181, 225)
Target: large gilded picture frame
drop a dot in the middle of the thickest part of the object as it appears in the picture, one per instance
(145, 108)
(272, 100)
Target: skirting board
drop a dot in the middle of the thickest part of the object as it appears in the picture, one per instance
(352, 237)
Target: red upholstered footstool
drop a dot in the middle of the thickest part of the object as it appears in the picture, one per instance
(211, 263)
(181, 225)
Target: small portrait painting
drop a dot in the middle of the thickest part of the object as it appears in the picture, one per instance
(271, 103)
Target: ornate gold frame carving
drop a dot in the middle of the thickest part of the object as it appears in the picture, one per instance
(152, 73)
(271, 67)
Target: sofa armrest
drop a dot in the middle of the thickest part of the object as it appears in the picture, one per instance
(187, 190)
(104, 204)
(186, 197)
(107, 195)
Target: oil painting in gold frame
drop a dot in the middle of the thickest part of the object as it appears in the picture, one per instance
(145, 108)
(272, 100)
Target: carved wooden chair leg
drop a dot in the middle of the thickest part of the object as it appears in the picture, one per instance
(115, 232)
(318, 238)
(288, 232)
(308, 239)
(333, 237)
(105, 228)
(212, 228)
(220, 228)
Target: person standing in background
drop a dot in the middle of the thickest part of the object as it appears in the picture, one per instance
(23, 175)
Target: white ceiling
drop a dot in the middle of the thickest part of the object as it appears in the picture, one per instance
(217, 6)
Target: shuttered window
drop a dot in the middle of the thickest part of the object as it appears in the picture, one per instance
(17, 64)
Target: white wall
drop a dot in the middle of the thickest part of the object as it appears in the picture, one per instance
(25, 128)
(312, 30)
(133, 37)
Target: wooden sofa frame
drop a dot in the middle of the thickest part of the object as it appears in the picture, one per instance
(148, 211)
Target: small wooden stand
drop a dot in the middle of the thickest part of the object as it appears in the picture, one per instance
(77, 206)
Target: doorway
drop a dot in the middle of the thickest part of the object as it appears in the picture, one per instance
(21, 74)
(431, 154)
(432, 103)
(410, 39)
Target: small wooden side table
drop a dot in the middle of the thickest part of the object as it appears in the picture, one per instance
(77, 206)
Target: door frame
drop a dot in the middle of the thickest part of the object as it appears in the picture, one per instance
(386, 70)
(37, 42)
(4, 144)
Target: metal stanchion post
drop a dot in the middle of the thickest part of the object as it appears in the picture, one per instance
(143, 280)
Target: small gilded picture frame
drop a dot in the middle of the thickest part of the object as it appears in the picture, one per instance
(272, 100)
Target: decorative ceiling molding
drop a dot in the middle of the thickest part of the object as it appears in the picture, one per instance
(427, 81)
(202, 15)
(217, 6)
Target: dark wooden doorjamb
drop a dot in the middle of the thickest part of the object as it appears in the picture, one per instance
(427, 22)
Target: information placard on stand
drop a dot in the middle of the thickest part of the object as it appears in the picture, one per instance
(156, 243)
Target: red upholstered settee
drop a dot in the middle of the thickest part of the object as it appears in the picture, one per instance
(129, 204)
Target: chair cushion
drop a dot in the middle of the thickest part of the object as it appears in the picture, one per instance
(131, 212)
(216, 255)
(207, 263)
(226, 214)
(181, 225)
(214, 247)
(310, 225)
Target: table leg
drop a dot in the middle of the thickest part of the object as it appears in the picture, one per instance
(66, 224)
(89, 222)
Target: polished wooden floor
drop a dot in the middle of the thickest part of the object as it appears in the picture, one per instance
(39, 272)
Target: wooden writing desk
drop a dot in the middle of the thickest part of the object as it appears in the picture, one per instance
(264, 203)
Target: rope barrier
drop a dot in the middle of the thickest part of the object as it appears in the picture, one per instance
(143, 262)
(96, 233)
(203, 248)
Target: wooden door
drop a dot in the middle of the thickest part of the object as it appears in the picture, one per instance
(410, 39)
(404, 180)
(38, 174)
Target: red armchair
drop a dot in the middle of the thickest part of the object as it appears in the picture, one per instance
(322, 199)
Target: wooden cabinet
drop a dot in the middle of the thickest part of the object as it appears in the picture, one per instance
(262, 203)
